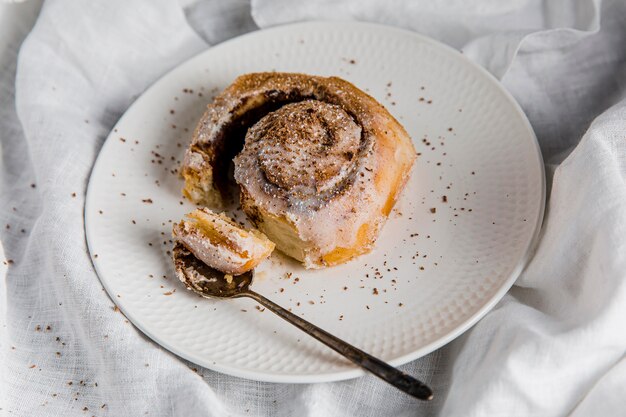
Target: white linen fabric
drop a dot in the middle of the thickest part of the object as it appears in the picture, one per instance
(554, 346)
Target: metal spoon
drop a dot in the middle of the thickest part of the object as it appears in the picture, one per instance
(211, 283)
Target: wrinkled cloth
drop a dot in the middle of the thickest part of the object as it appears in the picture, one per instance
(554, 346)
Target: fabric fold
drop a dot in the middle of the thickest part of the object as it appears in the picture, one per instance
(553, 346)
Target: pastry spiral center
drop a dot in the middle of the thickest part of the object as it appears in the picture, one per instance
(306, 147)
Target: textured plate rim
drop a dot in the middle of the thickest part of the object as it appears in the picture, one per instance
(514, 273)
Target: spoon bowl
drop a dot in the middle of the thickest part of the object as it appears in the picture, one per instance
(206, 281)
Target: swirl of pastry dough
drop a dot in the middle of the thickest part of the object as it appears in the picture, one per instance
(320, 167)
(305, 150)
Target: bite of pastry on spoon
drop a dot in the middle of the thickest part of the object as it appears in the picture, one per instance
(214, 257)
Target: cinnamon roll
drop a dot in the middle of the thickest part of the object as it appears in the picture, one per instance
(220, 243)
(319, 163)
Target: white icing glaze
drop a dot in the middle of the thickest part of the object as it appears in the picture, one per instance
(280, 167)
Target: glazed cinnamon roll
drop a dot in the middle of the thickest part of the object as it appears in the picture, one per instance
(319, 163)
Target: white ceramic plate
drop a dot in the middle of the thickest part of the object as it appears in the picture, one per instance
(431, 275)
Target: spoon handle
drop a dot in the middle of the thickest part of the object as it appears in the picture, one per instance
(379, 368)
